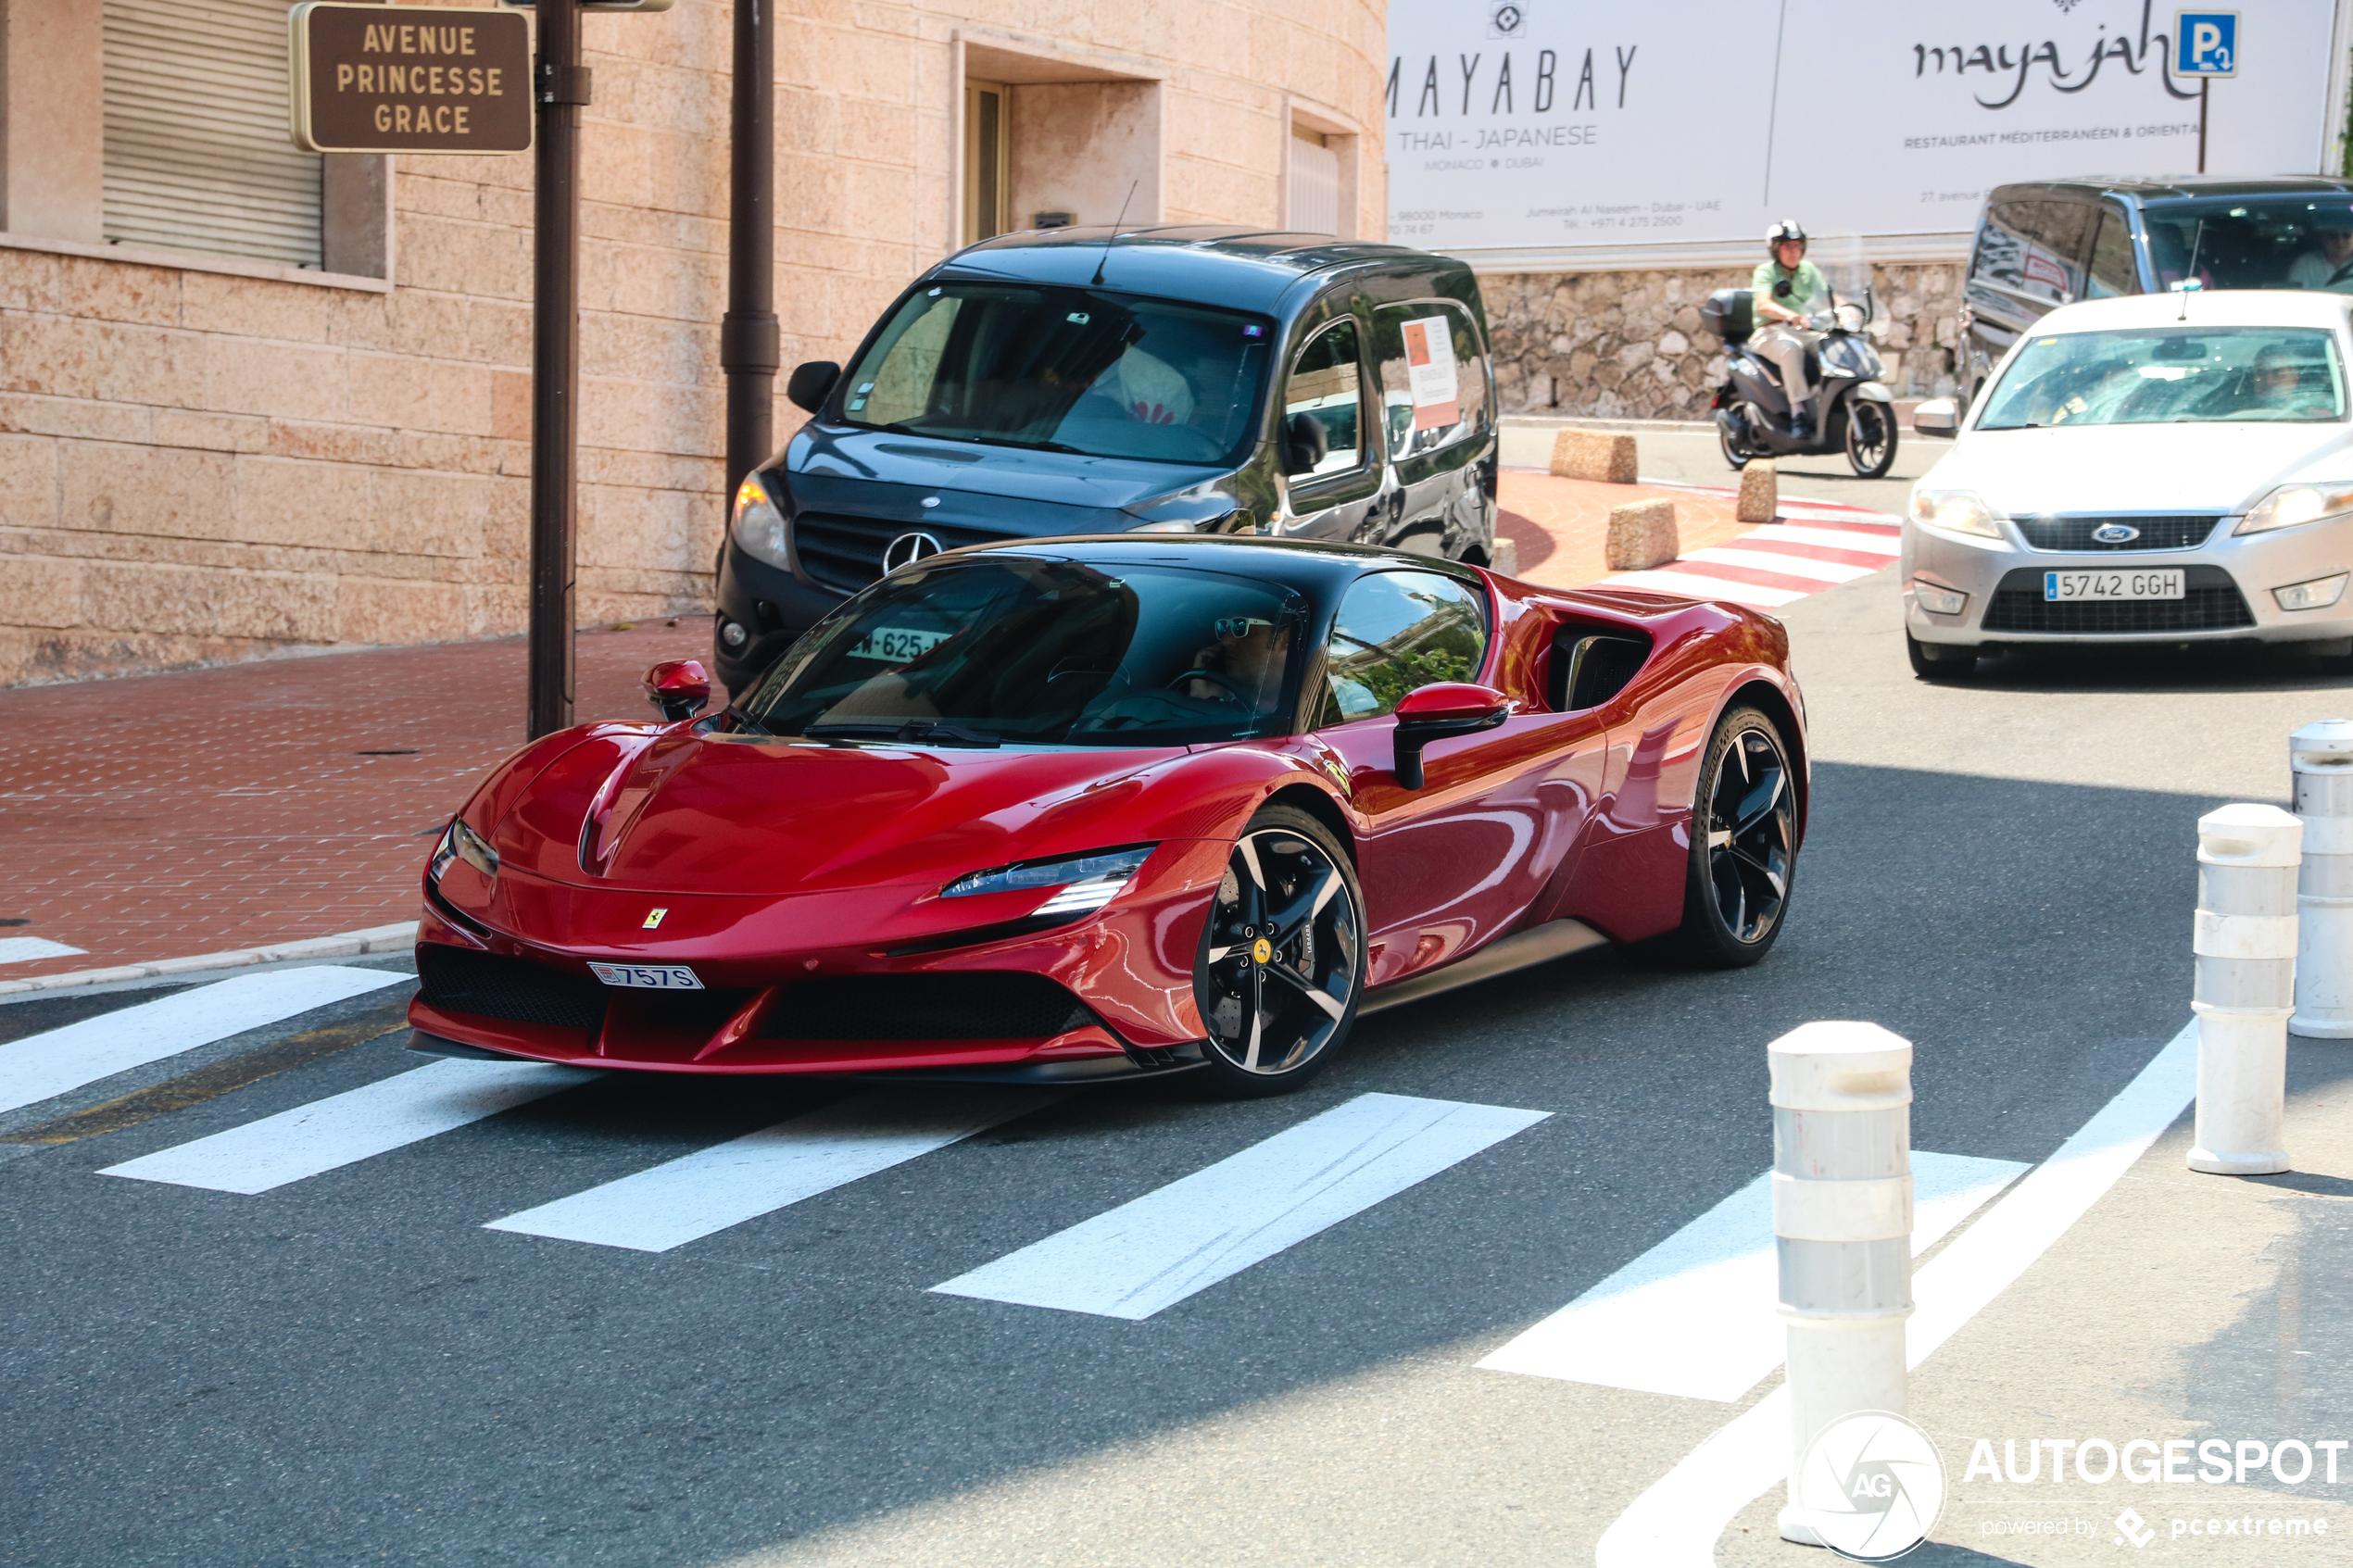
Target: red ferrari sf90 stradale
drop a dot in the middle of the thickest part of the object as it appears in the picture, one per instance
(1087, 809)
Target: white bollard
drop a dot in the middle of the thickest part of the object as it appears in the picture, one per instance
(2244, 940)
(1843, 1213)
(2320, 761)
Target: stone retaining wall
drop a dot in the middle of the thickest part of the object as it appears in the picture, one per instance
(1630, 344)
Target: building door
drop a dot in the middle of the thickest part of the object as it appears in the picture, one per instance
(987, 136)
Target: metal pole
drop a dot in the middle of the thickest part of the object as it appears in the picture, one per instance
(555, 364)
(2204, 83)
(747, 339)
(2243, 940)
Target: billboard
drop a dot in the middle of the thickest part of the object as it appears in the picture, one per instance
(1535, 128)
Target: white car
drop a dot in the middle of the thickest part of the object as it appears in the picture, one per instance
(2162, 468)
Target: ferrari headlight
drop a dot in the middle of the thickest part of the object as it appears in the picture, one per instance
(758, 526)
(462, 843)
(2293, 504)
(1085, 883)
(1954, 512)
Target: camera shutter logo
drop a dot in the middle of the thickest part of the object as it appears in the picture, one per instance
(2115, 534)
(1872, 1486)
(909, 548)
(1506, 18)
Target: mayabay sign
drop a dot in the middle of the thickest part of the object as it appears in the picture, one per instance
(409, 78)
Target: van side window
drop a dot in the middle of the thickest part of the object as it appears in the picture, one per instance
(1396, 631)
(2035, 249)
(2113, 270)
(1433, 376)
(1326, 389)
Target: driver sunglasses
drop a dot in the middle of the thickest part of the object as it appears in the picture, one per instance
(1238, 628)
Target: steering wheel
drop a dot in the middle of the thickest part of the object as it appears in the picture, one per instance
(1233, 692)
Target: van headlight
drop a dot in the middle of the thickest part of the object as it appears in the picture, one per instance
(758, 526)
(1085, 882)
(2293, 505)
(460, 842)
(1954, 512)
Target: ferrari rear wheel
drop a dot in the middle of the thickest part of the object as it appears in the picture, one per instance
(1743, 844)
(1281, 961)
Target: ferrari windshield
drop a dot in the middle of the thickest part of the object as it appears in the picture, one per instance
(2171, 375)
(1007, 650)
(1063, 370)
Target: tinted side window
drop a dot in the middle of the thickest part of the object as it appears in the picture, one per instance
(1433, 376)
(2114, 272)
(1396, 631)
(1326, 386)
(2033, 248)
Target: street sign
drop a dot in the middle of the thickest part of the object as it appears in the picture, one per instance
(2206, 43)
(412, 79)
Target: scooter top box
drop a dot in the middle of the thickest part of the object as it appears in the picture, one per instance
(1727, 315)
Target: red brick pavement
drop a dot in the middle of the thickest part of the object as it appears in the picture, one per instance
(1561, 525)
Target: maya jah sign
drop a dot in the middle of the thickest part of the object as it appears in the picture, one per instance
(409, 78)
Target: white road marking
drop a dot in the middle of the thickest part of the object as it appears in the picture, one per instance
(1871, 543)
(1788, 564)
(1695, 1315)
(1676, 1522)
(27, 949)
(698, 1194)
(1154, 1252)
(1692, 586)
(342, 1129)
(44, 1065)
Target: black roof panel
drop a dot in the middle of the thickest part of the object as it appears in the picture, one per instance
(1240, 268)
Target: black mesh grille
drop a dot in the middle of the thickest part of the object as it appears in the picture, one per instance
(847, 552)
(2210, 602)
(2074, 532)
(982, 1006)
(516, 989)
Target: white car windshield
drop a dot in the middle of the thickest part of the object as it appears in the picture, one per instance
(2171, 375)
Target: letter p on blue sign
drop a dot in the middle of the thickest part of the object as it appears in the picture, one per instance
(2206, 43)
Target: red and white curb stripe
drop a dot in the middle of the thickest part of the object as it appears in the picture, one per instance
(1813, 545)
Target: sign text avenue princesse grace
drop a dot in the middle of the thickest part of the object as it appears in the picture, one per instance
(408, 79)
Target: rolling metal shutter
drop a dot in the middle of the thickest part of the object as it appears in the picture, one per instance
(197, 155)
(1314, 188)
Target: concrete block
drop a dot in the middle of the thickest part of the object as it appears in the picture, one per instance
(1595, 455)
(1760, 492)
(1641, 535)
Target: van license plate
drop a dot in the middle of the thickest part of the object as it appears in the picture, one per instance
(2069, 587)
(649, 976)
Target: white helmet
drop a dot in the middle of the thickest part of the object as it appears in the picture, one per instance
(1787, 229)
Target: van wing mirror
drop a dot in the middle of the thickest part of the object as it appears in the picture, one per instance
(811, 382)
(1938, 416)
(678, 689)
(1438, 712)
(1304, 443)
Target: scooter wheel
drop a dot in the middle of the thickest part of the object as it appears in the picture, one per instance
(1736, 451)
(1870, 440)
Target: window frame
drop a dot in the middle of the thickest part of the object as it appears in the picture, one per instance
(1462, 448)
(1316, 686)
(1318, 492)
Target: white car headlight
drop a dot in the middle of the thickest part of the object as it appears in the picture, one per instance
(758, 526)
(462, 843)
(1085, 882)
(1954, 512)
(2292, 505)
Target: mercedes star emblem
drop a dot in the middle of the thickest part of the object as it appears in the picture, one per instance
(909, 548)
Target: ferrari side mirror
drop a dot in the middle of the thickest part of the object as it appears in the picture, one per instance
(1305, 443)
(678, 689)
(810, 383)
(1437, 712)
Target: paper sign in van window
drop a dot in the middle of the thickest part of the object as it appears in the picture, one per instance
(1429, 374)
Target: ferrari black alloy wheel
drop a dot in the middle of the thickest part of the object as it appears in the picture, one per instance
(1871, 439)
(1743, 843)
(1281, 961)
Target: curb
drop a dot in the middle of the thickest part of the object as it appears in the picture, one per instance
(375, 939)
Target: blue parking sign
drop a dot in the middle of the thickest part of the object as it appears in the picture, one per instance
(2206, 43)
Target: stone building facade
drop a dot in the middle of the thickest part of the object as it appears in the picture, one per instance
(1630, 344)
(207, 455)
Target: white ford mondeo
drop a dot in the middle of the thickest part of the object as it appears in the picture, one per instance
(2163, 468)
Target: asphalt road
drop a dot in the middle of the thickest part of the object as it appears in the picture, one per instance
(1693, 457)
(349, 1369)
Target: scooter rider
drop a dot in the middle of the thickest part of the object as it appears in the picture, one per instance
(1785, 290)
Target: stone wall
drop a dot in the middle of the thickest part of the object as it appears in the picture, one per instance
(1630, 344)
(203, 460)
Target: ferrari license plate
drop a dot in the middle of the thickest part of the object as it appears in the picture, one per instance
(898, 645)
(649, 976)
(2163, 584)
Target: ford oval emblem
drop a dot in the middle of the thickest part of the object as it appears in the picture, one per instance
(909, 548)
(2115, 533)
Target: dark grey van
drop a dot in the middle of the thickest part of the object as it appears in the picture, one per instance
(1077, 380)
(2043, 246)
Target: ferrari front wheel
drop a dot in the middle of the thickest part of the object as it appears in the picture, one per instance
(1281, 960)
(1743, 844)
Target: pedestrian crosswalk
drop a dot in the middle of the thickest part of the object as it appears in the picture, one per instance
(1814, 545)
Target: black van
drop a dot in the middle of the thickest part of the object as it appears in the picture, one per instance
(1082, 381)
(2050, 243)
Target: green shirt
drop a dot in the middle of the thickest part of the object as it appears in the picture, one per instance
(1807, 293)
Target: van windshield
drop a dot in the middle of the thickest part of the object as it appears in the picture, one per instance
(1064, 370)
(2171, 375)
(2304, 243)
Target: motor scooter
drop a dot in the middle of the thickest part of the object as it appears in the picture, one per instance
(1850, 410)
